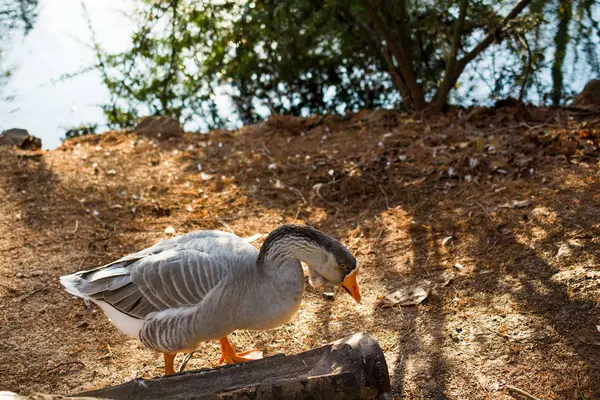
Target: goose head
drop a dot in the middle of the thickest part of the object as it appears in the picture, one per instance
(334, 265)
(329, 261)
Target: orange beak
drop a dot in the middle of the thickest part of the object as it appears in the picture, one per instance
(350, 285)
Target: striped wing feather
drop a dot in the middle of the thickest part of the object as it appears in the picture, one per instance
(171, 274)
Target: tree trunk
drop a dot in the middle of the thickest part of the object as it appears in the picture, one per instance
(401, 52)
(561, 40)
(353, 368)
(450, 74)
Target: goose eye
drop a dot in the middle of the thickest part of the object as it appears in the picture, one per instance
(344, 267)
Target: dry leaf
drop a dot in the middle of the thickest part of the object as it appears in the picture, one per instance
(516, 204)
(410, 295)
(416, 182)
(205, 177)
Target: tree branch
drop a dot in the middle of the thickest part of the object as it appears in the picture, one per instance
(471, 55)
(381, 52)
(489, 39)
(528, 69)
(449, 73)
(402, 59)
(165, 97)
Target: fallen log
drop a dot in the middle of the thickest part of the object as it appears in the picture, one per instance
(350, 368)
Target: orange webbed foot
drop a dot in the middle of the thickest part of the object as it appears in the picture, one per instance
(229, 355)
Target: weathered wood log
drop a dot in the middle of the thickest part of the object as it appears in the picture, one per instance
(350, 368)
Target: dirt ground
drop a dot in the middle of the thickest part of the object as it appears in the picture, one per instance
(498, 208)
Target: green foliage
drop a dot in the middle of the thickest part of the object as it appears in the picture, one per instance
(164, 71)
(81, 130)
(316, 56)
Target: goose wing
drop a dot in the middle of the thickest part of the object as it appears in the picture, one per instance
(176, 273)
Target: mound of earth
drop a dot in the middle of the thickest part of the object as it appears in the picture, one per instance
(485, 223)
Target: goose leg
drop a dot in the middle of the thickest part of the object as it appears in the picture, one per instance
(231, 357)
(169, 359)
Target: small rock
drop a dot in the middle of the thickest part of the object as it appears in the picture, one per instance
(83, 324)
(21, 139)
(564, 251)
(19, 275)
(590, 96)
(36, 273)
(170, 230)
(111, 172)
(159, 127)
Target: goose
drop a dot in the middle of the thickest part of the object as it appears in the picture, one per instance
(206, 284)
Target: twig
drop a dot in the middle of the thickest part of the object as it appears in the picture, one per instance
(62, 364)
(586, 236)
(266, 150)
(387, 204)
(523, 393)
(108, 353)
(321, 197)
(502, 335)
(293, 189)
(579, 387)
(408, 332)
(484, 210)
(317, 122)
(34, 292)
(225, 225)
(186, 360)
(490, 247)
(76, 226)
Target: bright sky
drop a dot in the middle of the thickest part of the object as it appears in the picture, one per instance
(58, 44)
